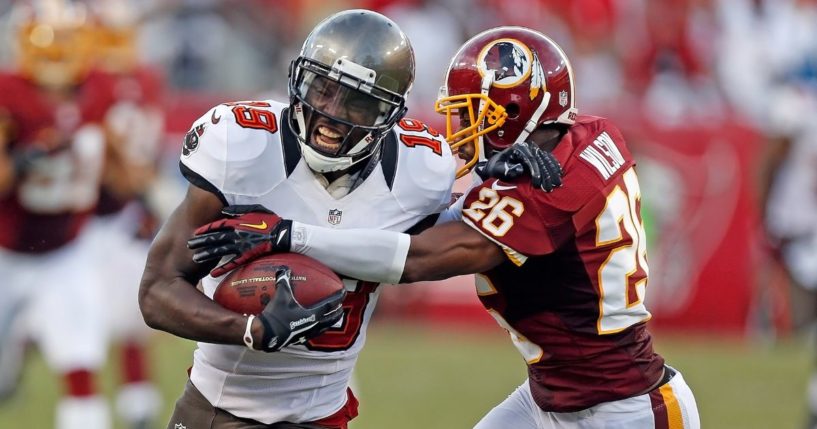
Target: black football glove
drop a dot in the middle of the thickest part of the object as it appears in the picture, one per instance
(287, 322)
(512, 162)
(248, 232)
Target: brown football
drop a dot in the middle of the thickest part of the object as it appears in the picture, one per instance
(249, 288)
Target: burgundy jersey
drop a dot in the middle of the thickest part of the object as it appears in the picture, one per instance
(54, 195)
(571, 291)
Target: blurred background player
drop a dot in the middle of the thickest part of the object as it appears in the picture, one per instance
(790, 201)
(53, 149)
(124, 219)
(565, 273)
(789, 190)
(780, 98)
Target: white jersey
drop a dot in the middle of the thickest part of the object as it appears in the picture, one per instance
(246, 154)
(792, 205)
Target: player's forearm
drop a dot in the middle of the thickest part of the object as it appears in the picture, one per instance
(390, 257)
(365, 254)
(176, 307)
(449, 250)
(168, 297)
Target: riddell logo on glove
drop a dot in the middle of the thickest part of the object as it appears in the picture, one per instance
(294, 324)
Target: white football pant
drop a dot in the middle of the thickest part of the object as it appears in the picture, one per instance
(519, 411)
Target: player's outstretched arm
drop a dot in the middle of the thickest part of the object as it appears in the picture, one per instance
(168, 298)
(448, 250)
(444, 251)
(440, 252)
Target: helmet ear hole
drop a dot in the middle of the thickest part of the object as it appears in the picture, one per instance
(512, 109)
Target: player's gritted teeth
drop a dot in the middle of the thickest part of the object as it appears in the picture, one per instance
(327, 138)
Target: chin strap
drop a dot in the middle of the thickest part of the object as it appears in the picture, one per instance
(534, 120)
(537, 84)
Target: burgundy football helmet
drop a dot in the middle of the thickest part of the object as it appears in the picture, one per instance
(500, 86)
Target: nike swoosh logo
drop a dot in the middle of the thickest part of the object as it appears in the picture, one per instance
(214, 119)
(497, 187)
(262, 225)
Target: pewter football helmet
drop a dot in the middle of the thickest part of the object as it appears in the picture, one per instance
(354, 70)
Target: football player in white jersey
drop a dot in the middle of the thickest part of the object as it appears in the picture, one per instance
(339, 154)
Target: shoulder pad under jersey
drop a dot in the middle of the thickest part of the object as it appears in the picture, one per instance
(594, 156)
(425, 168)
(598, 147)
(235, 149)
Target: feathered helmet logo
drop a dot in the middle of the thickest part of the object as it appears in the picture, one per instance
(511, 63)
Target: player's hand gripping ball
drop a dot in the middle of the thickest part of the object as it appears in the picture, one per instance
(246, 233)
(249, 288)
(294, 297)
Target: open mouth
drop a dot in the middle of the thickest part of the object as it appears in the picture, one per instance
(327, 139)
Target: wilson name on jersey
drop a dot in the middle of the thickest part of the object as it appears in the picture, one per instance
(571, 292)
(246, 154)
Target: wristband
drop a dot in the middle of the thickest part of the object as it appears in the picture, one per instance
(248, 341)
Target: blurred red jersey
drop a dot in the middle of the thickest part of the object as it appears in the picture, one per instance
(63, 147)
(571, 291)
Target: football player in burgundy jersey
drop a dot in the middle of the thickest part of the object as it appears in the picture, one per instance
(50, 164)
(565, 272)
(123, 219)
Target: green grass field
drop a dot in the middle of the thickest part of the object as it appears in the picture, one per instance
(428, 378)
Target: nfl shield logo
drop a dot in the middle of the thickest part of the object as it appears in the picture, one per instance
(563, 98)
(334, 216)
